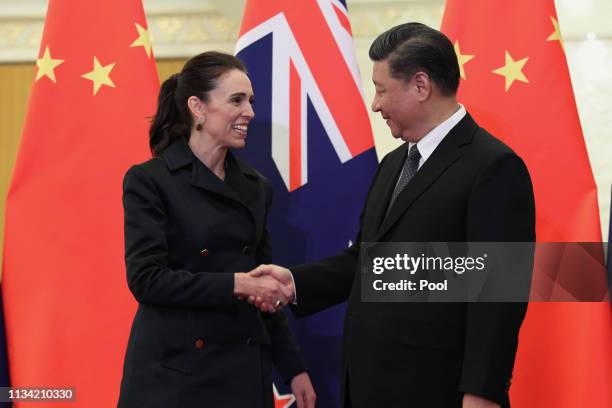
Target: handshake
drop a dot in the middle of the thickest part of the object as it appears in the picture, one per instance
(268, 287)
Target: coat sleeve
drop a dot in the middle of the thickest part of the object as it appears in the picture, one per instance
(286, 354)
(500, 209)
(146, 254)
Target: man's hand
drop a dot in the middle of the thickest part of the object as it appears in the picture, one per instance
(271, 292)
(302, 389)
(474, 401)
(282, 276)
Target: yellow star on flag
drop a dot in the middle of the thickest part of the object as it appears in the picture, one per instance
(556, 35)
(512, 70)
(143, 40)
(100, 75)
(462, 59)
(46, 65)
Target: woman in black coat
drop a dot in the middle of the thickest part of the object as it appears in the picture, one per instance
(195, 221)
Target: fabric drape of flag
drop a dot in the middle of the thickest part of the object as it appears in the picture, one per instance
(515, 81)
(311, 137)
(67, 306)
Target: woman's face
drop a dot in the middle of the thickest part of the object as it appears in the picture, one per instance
(229, 110)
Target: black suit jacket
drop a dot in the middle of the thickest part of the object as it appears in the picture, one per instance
(472, 188)
(192, 343)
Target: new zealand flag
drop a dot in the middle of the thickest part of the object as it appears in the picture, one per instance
(311, 137)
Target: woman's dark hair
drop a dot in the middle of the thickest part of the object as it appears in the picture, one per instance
(197, 78)
(414, 47)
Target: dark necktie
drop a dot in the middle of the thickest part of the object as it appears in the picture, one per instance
(411, 165)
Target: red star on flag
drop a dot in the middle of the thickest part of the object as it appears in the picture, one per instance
(282, 401)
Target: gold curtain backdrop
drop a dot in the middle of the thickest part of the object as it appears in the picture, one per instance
(15, 83)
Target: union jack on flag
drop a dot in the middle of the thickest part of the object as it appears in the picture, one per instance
(312, 57)
(311, 137)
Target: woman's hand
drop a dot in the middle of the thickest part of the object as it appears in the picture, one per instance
(272, 292)
(475, 401)
(303, 391)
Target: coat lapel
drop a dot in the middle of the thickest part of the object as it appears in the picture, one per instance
(203, 177)
(447, 152)
(243, 180)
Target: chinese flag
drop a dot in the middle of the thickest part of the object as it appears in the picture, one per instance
(516, 83)
(67, 306)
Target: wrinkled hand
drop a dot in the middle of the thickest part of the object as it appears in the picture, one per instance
(474, 401)
(301, 387)
(281, 275)
(266, 288)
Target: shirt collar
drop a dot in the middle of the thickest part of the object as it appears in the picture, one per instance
(431, 140)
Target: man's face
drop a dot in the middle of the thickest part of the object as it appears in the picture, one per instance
(396, 100)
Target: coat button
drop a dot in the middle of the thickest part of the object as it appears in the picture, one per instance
(247, 250)
(204, 252)
(250, 341)
(199, 343)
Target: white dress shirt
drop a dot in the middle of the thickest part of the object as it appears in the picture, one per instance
(431, 140)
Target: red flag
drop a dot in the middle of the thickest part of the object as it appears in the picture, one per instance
(67, 306)
(516, 83)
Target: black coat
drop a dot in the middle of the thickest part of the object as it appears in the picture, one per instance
(472, 188)
(193, 344)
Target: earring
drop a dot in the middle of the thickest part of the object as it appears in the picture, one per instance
(201, 121)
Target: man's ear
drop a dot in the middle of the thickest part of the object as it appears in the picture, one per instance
(422, 85)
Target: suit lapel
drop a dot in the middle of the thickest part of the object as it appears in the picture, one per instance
(382, 190)
(427, 174)
(447, 152)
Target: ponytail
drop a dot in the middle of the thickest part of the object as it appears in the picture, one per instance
(168, 123)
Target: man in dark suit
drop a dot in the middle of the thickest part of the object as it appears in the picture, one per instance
(451, 181)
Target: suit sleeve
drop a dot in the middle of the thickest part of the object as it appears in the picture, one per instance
(328, 282)
(146, 254)
(286, 354)
(501, 209)
(325, 283)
